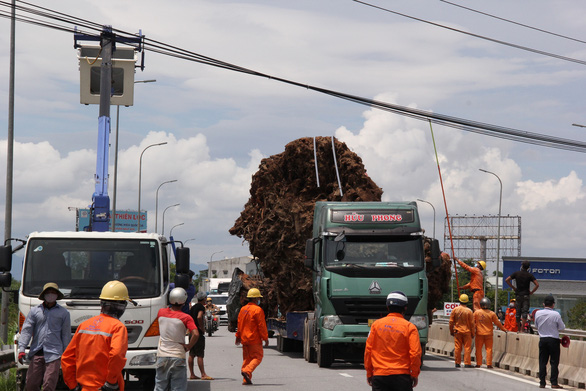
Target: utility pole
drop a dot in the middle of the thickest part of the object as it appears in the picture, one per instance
(9, 170)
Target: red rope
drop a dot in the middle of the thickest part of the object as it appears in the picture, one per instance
(446, 207)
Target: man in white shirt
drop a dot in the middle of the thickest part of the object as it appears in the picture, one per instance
(549, 324)
(173, 326)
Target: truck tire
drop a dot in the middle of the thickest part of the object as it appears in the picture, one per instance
(325, 355)
(308, 350)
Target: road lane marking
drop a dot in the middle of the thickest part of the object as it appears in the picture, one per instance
(346, 375)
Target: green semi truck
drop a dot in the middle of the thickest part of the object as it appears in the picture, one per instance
(359, 253)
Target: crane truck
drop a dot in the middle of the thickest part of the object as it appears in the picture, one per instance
(82, 262)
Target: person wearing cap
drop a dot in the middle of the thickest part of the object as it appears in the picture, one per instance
(197, 312)
(549, 324)
(523, 291)
(174, 324)
(49, 327)
(252, 330)
(476, 282)
(96, 356)
(462, 329)
(211, 306)
(511, 322)
(392, 357)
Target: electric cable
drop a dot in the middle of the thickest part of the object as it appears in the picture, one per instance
(440, 119)
(513, 45)
(513, 22)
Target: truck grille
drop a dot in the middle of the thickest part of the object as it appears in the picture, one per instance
(360, 310)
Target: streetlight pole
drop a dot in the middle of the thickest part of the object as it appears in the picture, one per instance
(498, 244)
(184, 243)
(163, 228)
(140, 179)
(115, 186)
(171, 231)
(157, 203)
(210, 263)
(427, 202)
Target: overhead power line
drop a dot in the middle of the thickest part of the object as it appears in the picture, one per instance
(513, 45)
(513, 22)
(441, 119)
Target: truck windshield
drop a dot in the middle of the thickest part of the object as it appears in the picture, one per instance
(375, 252)
(81, 267)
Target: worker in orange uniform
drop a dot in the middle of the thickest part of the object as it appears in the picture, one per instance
(252, 330)
(511, 317)
(392, 357)
(483, 321)
(462, 329)
(476, 282)
(94, 359)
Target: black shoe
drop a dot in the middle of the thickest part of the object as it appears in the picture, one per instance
(468, 366)
(246, 377)
(556, 386)
(542, 386)
(457, 365)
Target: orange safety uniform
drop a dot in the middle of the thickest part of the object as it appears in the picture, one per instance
(96, 354)
(252, 330)
(511, 320)
(483, 321)
(475, 284)
(392, 348)
(462, 328)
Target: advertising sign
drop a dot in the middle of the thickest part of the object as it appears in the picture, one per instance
(126, 220)
(448, 307)
(549, 269)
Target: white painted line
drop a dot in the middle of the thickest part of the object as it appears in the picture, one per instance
(346, 375)
(498, 372)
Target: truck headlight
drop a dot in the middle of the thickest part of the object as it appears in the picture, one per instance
(420, 321)
(144, 359)
(330, 321)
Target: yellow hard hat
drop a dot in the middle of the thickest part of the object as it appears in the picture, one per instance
(253, 292)
(483, 264)
(114, 290)
(463, 298)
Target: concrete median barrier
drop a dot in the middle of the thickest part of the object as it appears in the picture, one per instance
(518, 352)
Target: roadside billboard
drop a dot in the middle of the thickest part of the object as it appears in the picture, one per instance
(126, 220)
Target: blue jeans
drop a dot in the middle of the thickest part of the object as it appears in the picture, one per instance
(171, 374)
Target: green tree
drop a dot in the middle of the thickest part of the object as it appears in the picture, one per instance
(577, 315)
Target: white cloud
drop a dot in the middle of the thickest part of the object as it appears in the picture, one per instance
(566, 191)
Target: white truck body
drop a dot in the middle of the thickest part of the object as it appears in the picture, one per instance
(82, 262)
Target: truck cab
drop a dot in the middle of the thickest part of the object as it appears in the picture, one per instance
(80, 263)
(359, 253)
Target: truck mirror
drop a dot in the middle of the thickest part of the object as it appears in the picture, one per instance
(5, 280)
(309, 253)
(182, 280)
(182, 260)
(5, 258)
(435, 253)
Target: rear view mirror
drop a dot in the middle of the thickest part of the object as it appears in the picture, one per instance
(182, 260)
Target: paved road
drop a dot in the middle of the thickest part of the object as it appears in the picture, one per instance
(290, 372)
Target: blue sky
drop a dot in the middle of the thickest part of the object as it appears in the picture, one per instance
(219, 124)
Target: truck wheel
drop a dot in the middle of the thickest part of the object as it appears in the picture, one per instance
(308, 350)
(325, 355)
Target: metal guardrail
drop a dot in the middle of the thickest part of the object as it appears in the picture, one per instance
(7, 358)
(579, 335)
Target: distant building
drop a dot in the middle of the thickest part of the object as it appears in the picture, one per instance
(223, 268)
(565, 278)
